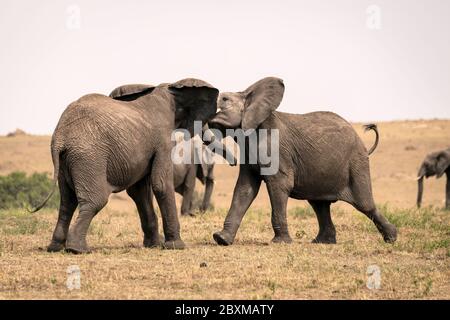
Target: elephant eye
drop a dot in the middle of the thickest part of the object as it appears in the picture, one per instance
(224, 99)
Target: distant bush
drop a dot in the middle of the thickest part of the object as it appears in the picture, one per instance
(17, 190)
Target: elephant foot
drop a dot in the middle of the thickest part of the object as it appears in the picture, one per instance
(282, 239)
(174, 245)
(325, 238)
(389, 233)
(153, 242)
(55, 246)
(77, 247)
(223, 238)
(188, 214)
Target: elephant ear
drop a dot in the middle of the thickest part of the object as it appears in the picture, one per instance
(261, 99)
(130, 92)
(196, 100)
(443, 162)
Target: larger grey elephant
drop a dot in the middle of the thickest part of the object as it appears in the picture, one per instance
(435, 164)
(102, 146)
(321, 159)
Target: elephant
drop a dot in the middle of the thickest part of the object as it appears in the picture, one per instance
(321, 159)
(435, 164)
(103, 145)
(185, 175)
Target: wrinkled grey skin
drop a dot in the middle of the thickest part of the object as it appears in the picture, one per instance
(185, 175)
(322, 160)
(102, 146)
(435, 164)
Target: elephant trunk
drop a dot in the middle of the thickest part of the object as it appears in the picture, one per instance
(419, 191)
(420, 176)
(220, 148)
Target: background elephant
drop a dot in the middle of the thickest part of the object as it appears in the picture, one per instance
(322, 160)
(435, 164)
(185, 175)
(102, 146)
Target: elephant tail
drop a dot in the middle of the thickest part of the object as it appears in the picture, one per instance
(372, 126)
(55, 158)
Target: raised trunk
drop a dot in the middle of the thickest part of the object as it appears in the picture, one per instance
(218, 147)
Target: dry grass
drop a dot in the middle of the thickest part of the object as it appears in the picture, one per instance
(416, 266)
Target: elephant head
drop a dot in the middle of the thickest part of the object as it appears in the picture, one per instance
(249, 108)
(435, 164)
(194, 100)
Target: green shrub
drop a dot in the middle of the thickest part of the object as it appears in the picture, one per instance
(17, 190)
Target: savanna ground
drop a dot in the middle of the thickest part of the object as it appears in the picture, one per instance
(415, 267)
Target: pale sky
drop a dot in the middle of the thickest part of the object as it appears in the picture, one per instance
(333, 55)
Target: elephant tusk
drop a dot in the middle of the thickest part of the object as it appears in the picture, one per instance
(418, 178)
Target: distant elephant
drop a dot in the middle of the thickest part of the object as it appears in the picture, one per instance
(435, 164)
(321, 159)
(102, 146)
(184, 177)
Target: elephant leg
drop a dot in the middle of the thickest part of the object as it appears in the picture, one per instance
(188, 191)
(367, 206)
(67, 205)
(387, 230)
(278, 201)
(361, 198)
(76, 239)
(92, 194)
(142, 195)
(327, 232)
(246, 189)
(163, 188)
(209, 186)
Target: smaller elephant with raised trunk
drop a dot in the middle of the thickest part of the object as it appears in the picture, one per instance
(435, 164)
(321, 159)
